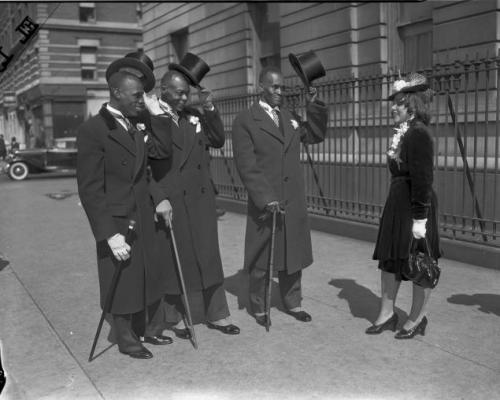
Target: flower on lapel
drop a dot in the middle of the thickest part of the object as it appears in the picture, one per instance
(140, 126)
(295, 124)
(193, 119)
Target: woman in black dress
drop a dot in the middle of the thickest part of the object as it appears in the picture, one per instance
(411, 206)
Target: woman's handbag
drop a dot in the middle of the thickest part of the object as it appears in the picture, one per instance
(422, 269)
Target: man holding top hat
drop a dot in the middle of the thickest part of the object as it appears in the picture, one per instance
(266, 145)
(114, 189)
(185, 181)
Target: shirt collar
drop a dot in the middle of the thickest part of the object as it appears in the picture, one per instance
(114, 111)
(267, 107)
(166, 106)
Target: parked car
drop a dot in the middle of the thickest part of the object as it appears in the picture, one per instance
(59, 158)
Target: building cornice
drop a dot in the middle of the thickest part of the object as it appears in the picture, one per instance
(71, 24)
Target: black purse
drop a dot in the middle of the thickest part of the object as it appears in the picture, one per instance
(422, 269)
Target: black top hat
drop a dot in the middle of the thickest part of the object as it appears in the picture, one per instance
(307, 66)
(192, 67)
(413, 83)
(137, 61)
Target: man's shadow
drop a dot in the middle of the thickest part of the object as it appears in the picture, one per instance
(363, 303)
(487, 302)
(237, 285)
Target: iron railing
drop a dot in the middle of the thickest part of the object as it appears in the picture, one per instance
(347, 177)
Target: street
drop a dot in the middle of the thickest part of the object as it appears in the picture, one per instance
(50, 310)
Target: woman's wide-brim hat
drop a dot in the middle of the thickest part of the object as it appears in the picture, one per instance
(192, 67)
(307, 66)
(413, 83)
(137, 63)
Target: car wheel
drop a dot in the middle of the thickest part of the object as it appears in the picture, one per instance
(18, 171)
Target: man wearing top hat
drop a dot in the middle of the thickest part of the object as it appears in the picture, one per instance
(266, 146)
(114, 189)
(185, 181)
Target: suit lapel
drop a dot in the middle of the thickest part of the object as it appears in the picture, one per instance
(116, 131)
(288, 130)
(139, 148)
(265, 123)
(188, 130)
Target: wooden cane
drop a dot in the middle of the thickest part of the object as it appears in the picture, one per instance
(183, 286)
(271, 267)
(112, 290)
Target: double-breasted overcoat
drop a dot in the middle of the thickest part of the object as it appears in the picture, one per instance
(113, 189)
(184, 179)
(268, 161)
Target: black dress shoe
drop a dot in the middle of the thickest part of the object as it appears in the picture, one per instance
(391, 323)
(408, 334)
(142, 353)
(183, 333)
(158, 340)
(300, 315)
(261, 320)
(227, 329)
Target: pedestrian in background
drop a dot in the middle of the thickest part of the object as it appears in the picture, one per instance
(3, 148)
(266, 145)
(411, 205)
(114, 188)
(185, 180)
(14, 145)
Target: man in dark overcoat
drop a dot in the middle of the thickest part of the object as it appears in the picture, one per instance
(114, 188)
(266, 146)
(185, 180)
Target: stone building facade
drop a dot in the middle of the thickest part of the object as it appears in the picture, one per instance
(57, 79)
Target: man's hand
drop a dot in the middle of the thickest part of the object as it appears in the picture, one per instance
(312, 94)
(119, 247)
(274, 206)
(418, 229)
(152, 104)
(206, 98)
(164, 209)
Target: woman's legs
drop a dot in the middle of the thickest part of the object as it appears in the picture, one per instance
(418, 306)
(390, 287)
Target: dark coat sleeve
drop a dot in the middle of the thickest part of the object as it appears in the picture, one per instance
(90, 179)
(160, 148)
(258, 187)
(211, 126)
(314, 129)
(420, 165)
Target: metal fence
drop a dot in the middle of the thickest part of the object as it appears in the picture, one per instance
(346, 175)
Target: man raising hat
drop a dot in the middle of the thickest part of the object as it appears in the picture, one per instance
(185, 181)
(114, 189)
(266, 145)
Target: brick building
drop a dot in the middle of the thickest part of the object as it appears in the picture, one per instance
(57, 79)
(237, 39)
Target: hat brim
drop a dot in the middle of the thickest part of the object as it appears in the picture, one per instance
(413, 89)
(184, 71)
(294, 61)
(148, 80)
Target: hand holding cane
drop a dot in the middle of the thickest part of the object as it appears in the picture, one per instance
(111, 290)
(183, 287)
(270, 278)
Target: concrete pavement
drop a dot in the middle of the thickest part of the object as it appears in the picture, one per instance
(50, 310)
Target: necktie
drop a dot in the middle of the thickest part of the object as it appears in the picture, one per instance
(276, 118)
(174, 116)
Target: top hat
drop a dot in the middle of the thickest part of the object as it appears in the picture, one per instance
(307, 66)
(135, 62)
(413, 83)
(192, 67)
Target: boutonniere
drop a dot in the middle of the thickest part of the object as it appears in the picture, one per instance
(395, 147)
(193, 119)
(142, 128)
(295, 124)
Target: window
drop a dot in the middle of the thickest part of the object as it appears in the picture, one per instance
(88, 62)
(417, 44)
(87, 12)
(180, 42)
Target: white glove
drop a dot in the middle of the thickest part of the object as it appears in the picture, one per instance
(164, 209)
(152, 104)
(418, 229)
(119, 247)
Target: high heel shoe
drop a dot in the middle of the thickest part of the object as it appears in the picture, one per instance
(408, 334)
(391, 323)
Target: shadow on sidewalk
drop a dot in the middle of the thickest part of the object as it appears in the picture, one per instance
(237, 285)
(487, 302)
(363, 303)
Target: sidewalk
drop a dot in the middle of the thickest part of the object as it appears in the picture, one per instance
(50, 311)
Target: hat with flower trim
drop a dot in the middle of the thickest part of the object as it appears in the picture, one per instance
(413, 83)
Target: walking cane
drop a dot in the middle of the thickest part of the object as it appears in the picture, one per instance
(183, 286)
(111, 291)
(270, 280)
